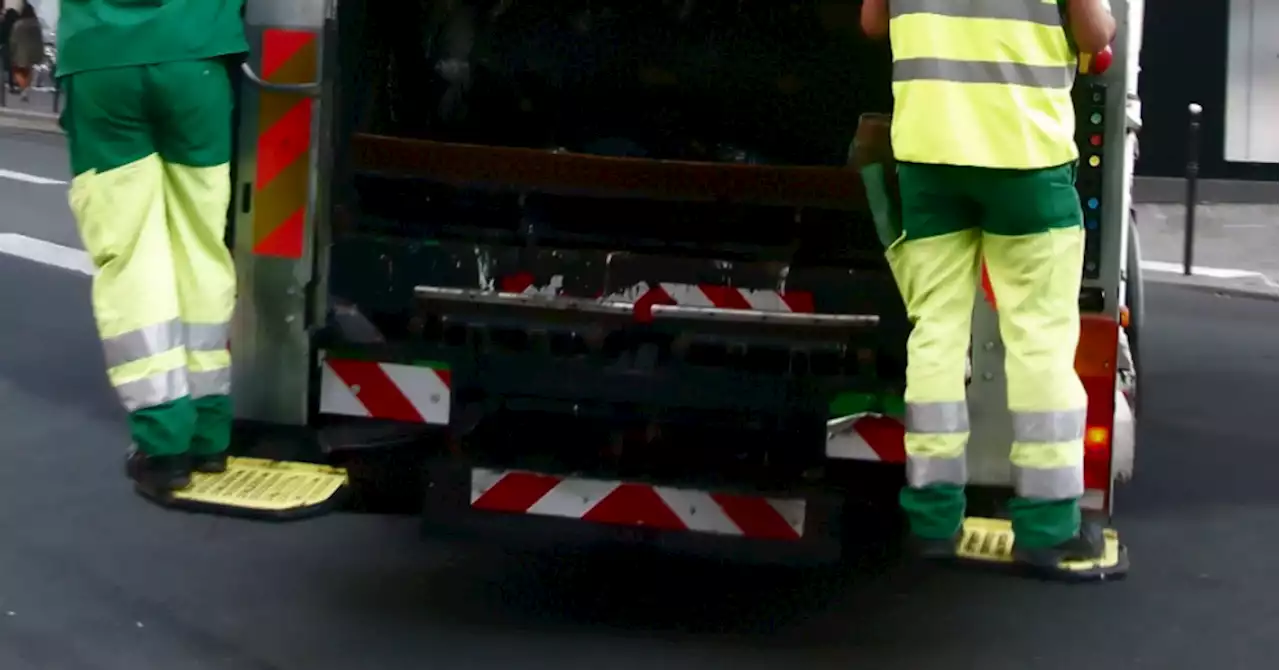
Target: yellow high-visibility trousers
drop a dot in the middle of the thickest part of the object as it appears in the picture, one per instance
(1026, 225)
(150, 148)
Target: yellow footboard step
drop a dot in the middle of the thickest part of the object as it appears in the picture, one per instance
(263, 489)
(989, 542)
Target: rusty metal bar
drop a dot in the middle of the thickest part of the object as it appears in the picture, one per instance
(535, 170)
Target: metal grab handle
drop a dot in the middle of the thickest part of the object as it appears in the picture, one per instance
(308, 90)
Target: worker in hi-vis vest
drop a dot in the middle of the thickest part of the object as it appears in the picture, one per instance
(983, 132)
(148, 122)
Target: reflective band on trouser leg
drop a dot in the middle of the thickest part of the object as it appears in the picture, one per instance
(121, 217)
(1048, 454)
(936, 276)
(1037, 284)
(209, 373)
(208, 359)
(141, 343)
(206, 336)
(151, 381)
(936, 436)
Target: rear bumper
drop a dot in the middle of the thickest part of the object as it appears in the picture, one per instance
(454, 509)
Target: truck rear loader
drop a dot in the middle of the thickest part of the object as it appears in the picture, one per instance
(606, 268)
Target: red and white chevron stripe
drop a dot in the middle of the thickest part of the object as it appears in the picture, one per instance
(872, 437)
(416, 394)
(633, 504)
(711, 295)
(691, 295)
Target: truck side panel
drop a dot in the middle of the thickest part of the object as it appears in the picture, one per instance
(275, 213)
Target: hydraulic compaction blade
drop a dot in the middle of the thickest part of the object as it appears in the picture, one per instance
(989, 543)
(257, 488)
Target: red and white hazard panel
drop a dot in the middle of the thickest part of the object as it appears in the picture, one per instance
(871, 437)
(370, 389)
(633, 504)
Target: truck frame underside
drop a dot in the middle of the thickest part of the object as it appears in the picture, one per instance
(606, 263)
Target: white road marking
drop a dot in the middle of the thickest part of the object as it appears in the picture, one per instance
(46, 253)
(29, 178)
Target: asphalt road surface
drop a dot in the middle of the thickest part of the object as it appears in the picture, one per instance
(92, 577)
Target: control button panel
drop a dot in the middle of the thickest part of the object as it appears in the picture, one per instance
(1090, 99)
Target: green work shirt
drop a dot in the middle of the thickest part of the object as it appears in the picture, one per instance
(101, 34)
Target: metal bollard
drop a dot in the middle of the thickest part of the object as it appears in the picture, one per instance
(1193, 178)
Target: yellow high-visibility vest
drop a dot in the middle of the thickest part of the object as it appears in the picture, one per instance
(982, 83)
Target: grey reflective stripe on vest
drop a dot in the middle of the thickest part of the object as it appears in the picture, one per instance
(1044, 427)
(207, 336)
(983, 72)
(142, 343)
(1032, 11)
(210, 382)
(1049, 483)
(924, 471)
(937, 418)
(157, 389)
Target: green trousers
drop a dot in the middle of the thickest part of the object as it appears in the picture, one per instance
(1026, 225)
(150, 150)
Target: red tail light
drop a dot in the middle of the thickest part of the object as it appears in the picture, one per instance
(1096, 365)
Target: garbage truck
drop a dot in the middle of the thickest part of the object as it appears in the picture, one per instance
(607, 268)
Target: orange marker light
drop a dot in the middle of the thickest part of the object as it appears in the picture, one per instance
(1096, 437)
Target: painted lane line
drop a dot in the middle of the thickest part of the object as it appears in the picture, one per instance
(46, 253)
(29, 178)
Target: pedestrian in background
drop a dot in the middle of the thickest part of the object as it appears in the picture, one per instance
(6, 25)
(26, 47)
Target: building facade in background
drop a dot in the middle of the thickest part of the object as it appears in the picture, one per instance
(1222, 55)
(1253, 69)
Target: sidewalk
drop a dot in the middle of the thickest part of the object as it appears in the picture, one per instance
(1235, 246)
(36, 113)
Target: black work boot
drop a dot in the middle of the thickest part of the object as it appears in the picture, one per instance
(1088, 544)
(157, 475)
(209, 463)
